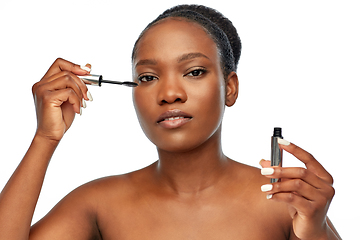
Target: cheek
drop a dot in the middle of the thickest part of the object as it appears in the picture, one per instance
(136, 101)
(210, 104)
(142, 106)
(211, 96)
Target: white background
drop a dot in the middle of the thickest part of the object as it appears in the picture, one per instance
(299, 70)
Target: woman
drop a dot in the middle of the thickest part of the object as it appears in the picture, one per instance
(185, 65)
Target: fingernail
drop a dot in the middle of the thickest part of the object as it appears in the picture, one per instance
(267, 171)
(283, 142)
(269, 196)
(266, 187)
(86, 68)
(83, 103)
(80, 111)
(89, 96)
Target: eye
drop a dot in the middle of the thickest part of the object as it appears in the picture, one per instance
(146, 78)
(196, 72)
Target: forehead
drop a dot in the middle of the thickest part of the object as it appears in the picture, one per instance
(172, 37)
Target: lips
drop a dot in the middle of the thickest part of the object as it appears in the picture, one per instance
(173, 119)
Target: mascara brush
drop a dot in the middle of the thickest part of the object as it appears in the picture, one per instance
(98, 80)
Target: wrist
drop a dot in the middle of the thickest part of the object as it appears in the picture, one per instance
(40, 151)
(45, 140)
(44, 146)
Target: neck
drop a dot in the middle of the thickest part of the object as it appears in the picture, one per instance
(195, 170)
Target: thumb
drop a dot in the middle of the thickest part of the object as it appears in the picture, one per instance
(86, 68)
(265, 163)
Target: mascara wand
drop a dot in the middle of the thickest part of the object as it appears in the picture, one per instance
(98, 80)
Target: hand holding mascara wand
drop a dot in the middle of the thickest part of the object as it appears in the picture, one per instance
(98, 80)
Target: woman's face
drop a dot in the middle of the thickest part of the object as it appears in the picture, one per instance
(180, 99)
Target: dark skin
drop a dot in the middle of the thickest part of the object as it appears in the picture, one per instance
(193, 191)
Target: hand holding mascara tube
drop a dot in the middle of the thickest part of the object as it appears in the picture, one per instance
(308, 190)
(276, 151)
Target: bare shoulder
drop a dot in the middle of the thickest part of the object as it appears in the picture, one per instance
(76, 215)
(248, 172)
(120, 185)
(270, 215)
(251, 180)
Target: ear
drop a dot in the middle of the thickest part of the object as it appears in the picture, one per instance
(232, 89)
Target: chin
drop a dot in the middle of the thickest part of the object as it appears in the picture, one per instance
(182, 143)
(174, 147)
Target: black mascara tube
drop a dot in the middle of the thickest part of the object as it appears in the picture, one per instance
(276, 152)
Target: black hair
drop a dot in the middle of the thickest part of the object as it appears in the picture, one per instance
(219, 28)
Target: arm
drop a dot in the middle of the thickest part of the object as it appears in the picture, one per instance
(332, 233)
(19, 196)
(58, 96)
(74, 217)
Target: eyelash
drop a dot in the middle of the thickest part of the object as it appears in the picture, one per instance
(199, 71)
(141, 77)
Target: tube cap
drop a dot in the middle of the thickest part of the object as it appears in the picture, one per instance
(277, 132)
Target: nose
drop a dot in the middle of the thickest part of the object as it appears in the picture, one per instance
(171, 90)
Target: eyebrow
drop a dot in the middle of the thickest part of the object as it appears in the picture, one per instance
(184, 57)
(146, 62)
(189, 56)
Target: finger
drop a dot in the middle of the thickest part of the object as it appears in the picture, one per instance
(303, 206)
(57, 98)
(62, 82)
(265, 163)
(311, 163)
(87, 67)
(294, 173)
(64, 65)
(81, 85)
(67, 79)
(297, 186)
(61, 67)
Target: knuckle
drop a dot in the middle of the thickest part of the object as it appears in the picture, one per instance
(279, 171)
(34, 88)
(69, 91)
(58, 60)
(310, 156)
(38, 89)
(277, 187)
(298, 184)
(68, 79)
(331, 192)
(331, 179)
(67, 76)
(291, 197)
(302, 173)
